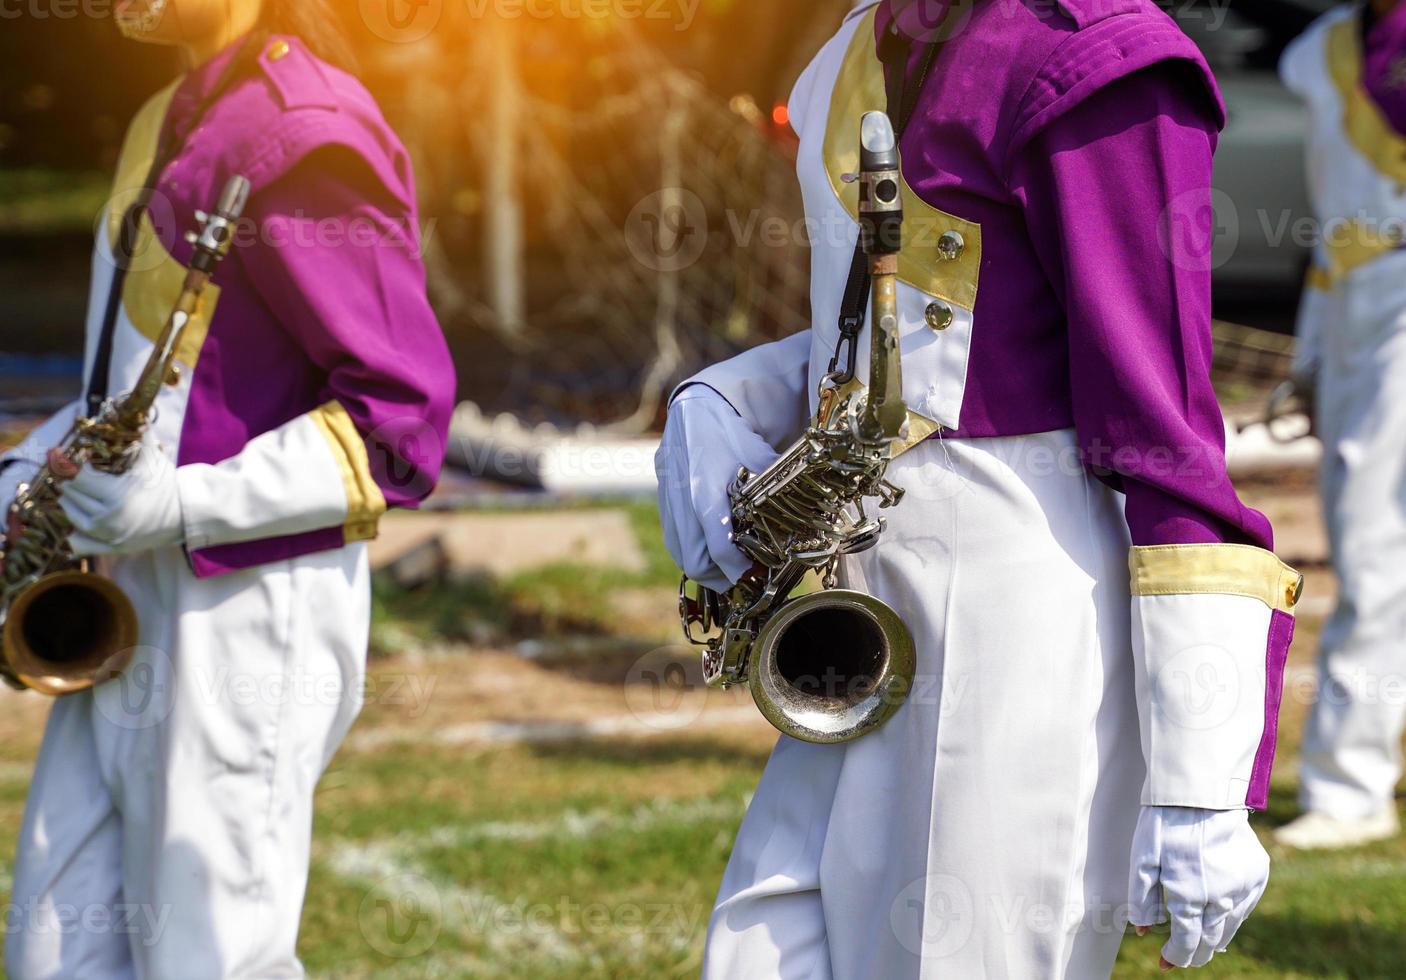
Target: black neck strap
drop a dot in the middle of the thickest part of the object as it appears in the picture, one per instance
(171, 142)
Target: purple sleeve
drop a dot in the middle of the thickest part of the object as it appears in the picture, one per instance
(1116, 194)
(1384, 65)
(345, 277)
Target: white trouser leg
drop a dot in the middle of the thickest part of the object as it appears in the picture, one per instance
(189, 782)
(66, 917)
(985, 830)
(1352, 746)
(769, 923)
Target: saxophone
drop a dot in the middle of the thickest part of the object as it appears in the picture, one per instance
(832, 665)
(63, 627)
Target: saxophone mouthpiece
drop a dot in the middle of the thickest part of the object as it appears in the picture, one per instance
(877, 143)
(233, 198)
(880, 195)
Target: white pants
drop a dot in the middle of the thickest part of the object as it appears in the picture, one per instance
(986, 830)
(1352, 746)
(169, 821)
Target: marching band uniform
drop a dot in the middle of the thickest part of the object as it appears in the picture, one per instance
(1350, 67)
(314, 393)
(1082, 744)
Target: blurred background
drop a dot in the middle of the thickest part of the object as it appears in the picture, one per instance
(553, 276)
(540, 786)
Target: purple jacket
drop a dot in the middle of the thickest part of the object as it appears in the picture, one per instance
(1086, 319)
(321, 312)
(1384, 63)
(1063, 151)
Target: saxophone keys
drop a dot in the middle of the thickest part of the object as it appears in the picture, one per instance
(173, 374)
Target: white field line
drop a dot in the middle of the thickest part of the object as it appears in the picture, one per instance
(392, 863)
(642, 725)
(579, 825)
(1352, 868)
(388, 866)
(13, 772)
(430, 967)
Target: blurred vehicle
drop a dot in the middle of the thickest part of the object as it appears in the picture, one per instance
(1262, 207)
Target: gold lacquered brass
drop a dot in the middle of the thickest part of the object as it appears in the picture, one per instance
(64, 628)
(67, 632)
(831, 666)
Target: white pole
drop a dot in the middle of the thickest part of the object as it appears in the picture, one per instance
(503, 227)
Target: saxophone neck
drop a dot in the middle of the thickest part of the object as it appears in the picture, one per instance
(884, 411)
(210, 246)
(881, 236)
(160, 367)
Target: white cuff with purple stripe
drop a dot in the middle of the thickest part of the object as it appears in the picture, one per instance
(1211, 631)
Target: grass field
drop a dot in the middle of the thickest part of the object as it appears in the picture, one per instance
(501, 816)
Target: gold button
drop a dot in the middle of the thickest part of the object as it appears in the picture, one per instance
(951, 246)
(1295, 591)
(278, 50)
(939, 316)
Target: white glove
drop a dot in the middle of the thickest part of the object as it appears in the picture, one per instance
(705, 441)
(1205, 869)
(137, 511)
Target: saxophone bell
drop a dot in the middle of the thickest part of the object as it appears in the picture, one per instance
(67, 632)
(63, 627)
(832, 666)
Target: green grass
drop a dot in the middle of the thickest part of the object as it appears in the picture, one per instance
(599, 859)
(556, 600)
(50, 200)
(582, 837)
(589, 836)
(557, 862)
(1328, 914)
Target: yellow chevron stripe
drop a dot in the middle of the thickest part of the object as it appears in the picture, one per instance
(859, 88)
(365, 502)
(154, 278)
(1363, 121)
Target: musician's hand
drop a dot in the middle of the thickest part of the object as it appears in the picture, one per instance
(1205, 870)
(705, 441)
(60, 465)
(11, 523)
(136, 511)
